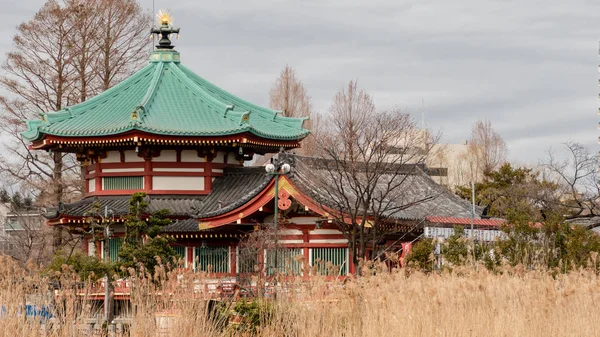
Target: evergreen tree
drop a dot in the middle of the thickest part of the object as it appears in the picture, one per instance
(510, 188)
(143, 243)
(28, 203)
(17, 201)
(4, 196)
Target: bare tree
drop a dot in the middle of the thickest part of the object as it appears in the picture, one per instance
(23, 235)
(370, 160)
(39, 73)
(289, 95)
(121, 31)
(487, 149)
(82, 17)
(61, 57)
(577, 179)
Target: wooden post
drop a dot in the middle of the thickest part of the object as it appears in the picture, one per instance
(147, 175)
(233, 250)
(190, 257)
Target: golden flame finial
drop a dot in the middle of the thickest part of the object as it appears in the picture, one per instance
(164, 17)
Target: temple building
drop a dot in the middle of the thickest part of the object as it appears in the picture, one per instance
(184, 142)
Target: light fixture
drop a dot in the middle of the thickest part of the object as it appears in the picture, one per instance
(270, 168)
(286, 168)
(319, 224)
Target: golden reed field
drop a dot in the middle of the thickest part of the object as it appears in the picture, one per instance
(468, 302)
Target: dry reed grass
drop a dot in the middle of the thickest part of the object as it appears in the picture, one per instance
(463, 303)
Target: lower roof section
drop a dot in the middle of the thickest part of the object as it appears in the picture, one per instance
(235, 188)
(243, 191)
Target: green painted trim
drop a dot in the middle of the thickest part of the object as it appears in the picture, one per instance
(286, 261)
(217, 257)
(324, 258)
(122, 183)
(114, 247)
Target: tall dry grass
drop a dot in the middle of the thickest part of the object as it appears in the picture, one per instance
(466, 302)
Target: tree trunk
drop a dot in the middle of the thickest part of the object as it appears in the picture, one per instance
(354, 251)
(57, 231)
(362, 242)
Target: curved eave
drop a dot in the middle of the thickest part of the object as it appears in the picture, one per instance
(33, 130)
(136, 137)
(260, 200)
(36, 134)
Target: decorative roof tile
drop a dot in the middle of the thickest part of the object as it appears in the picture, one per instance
(166, 98)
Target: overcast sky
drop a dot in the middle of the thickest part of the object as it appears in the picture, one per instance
(530, 67)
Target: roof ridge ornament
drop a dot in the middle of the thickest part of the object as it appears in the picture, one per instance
(227, 109)
(165, 30)
(245, 118)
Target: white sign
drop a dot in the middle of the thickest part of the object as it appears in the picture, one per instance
(479, 234)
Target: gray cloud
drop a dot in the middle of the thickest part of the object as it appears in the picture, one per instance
(528, 66)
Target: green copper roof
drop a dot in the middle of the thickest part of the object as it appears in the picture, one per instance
(166, 98)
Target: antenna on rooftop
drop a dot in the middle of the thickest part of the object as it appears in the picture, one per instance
(152, 23)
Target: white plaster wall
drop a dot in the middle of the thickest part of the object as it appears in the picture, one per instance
(191, 156)
(112, 157)
(231, 158)
(176, 169)
(92, 185)
(305, 220)
(325, 231)
(166, 156)
(290, 241)
(219, 158)
(217, 170)
(328, 241)
(91, 248)
(130, 169)
(178, 183)
(132, 157)
(290, 232)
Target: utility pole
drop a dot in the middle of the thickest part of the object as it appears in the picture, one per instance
(107, 302)
(275, 224)
(278, 167)
(473, 219)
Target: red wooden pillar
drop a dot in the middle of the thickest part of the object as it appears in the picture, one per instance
(351, 262)
(99, 250)
(85, 246)
(98, 177)
(261, 262)
(233, 255)
(208, 182)
(305, 251)
(190, 257)
(147, 175)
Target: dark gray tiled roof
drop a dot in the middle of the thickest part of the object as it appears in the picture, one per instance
(186, 225)
(234, 189)
(179, 205)
(416, 197)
